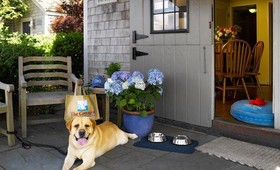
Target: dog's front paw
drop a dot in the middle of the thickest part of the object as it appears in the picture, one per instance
(84, 166)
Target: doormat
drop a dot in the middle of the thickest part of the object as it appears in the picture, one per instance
(253, 155)
(167, 145)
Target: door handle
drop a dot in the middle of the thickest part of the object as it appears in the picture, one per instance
(136, 53)
(204, 60)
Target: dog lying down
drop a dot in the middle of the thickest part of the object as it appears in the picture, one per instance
(88, 141)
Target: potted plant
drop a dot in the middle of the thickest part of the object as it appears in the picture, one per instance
(136, 97)
(224, 34)
(111, 68)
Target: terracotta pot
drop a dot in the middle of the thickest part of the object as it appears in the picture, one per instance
(134, 123)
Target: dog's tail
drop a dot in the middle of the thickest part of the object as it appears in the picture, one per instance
(131, 135)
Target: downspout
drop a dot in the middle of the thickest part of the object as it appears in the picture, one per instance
(85, 41)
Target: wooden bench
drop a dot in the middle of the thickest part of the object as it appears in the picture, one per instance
(44, 81)
(7, 107)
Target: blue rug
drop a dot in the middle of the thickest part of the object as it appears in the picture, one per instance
(167, 145)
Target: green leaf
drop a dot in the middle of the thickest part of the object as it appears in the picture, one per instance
(132, 96)
(122, 103)
(143, 113)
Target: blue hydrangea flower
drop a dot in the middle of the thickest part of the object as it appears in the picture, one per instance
(117, 87)
(124, 75)
(155, 77)
(135, 77)
(138, 75)
(114, 87)
(125, 85)
(122, 83)
(139, 83)
(130, 81)
(115, 75)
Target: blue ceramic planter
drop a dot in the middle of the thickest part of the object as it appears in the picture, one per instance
(134, 123)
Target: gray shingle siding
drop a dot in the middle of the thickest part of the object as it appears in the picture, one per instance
(108, 36)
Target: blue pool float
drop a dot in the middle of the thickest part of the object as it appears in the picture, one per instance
(253, 114)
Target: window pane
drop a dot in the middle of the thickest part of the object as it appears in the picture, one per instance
(26, 27)
(169, 21)
(180, 5)
(158, 6)
(158, 22)
(168, 5)
(169, 16)
(181, 20)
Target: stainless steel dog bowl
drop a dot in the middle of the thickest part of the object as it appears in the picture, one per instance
(181, 140)
(156, 137)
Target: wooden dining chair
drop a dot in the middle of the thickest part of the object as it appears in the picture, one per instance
(253, 70)
(218, 65)
(232, 63)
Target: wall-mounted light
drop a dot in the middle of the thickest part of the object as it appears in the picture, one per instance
(252, 10)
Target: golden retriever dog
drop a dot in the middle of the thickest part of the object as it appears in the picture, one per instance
(88, 141)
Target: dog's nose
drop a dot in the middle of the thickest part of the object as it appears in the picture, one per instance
(82, 133)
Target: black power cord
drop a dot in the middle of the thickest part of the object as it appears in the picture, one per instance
(27, 144)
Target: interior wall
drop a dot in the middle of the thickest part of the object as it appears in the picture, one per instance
(222, 12)
(262, 33)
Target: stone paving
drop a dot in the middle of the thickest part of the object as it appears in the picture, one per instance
(125, 157)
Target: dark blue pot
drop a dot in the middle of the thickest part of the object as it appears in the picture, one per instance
(134, 123)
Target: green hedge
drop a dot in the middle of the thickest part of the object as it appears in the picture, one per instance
(70, 44)
(14, 45)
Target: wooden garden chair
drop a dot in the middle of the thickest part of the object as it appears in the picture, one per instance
(233, 61)
(6, 106)
(44, 81)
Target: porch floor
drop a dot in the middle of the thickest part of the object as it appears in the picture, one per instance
(226, 125)
(125, 157)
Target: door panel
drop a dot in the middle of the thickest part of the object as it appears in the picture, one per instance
(185, 59)
(193, 84)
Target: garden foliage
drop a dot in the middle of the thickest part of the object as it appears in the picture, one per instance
(73, 20)
(13, 45)
(70, 44)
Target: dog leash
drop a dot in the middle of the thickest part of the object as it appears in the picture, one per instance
(27, 144)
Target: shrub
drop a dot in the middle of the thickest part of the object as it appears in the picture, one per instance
(111, 68)
(14, 45)
(70, 44)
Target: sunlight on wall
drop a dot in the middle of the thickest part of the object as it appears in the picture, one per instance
(262, 34)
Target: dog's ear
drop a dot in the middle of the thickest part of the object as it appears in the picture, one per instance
(93, 122)
(68, 124)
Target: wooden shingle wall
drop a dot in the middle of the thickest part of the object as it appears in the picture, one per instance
(109, 36)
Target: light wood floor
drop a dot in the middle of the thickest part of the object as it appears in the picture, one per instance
(223, 110)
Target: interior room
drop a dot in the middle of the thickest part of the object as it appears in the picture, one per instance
(252, 28)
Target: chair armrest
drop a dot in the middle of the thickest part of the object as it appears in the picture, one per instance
(7, 87)
(78, 83)
(22, 82)
(75, 80)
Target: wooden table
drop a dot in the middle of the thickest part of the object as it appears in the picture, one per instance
(105, 104)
